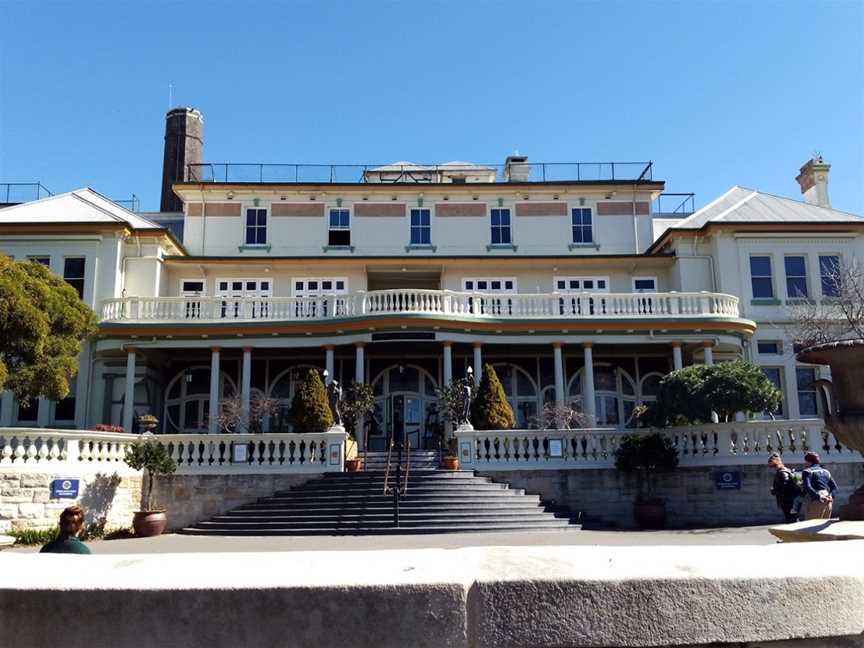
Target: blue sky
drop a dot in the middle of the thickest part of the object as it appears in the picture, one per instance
(716, 93)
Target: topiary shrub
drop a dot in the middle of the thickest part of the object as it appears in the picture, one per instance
(490, 409)
(310, 409)
(152, 457)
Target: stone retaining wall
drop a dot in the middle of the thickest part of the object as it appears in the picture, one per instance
(192, 498)
(26, 503)
(605, 497)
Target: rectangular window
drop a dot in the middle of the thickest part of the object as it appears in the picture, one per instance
(193, 287)
(583, 229)
(490, 284)
(64, 410)
(644, 284)
(73, 273)
(775, 375)
(314, 286)
(256, 227)
(760, 277)
(30, 412)
(769, 348)
(44, 260)
(829, 275)
(796, 276)
(501, 227)
(421, 227)
(340, 228)
(581, 284)
(807, 401)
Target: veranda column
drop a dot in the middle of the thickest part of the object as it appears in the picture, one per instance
(559, 373)
(213, 410)
(329, 362)
(129, 394)
(448, 362)
(360, 378)
(246, 389)
(677, 356)
(478, 363)
(588, 404)
(709, 353)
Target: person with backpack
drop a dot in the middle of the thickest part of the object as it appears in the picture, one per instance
(786, 488)
(819, 489)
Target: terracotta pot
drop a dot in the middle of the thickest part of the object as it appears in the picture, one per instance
(650, 514)
(149, 523)
(450, 463)
(353, 465)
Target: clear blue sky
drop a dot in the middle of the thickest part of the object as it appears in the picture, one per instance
(716, 93)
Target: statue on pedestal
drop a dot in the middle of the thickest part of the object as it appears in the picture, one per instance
(334, 395)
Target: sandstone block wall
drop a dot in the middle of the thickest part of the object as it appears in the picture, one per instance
(605, 497)
(25, 499)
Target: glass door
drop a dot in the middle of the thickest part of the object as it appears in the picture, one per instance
(413, 421)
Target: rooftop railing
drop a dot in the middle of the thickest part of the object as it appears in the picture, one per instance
(675, 205)
(13, 193)
(229, 172)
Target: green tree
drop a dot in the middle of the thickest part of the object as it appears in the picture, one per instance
(358, 402)
(152, 457)
(690, 395)
(42, 325)
(491, 410)
(310, 409)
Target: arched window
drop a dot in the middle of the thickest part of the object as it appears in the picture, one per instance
(405, 399)
(521, 392)
(282, 389)
(187, 400)
(649, 388)
(614, 395)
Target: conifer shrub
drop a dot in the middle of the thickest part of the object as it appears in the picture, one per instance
(310, 409)
(491, 410)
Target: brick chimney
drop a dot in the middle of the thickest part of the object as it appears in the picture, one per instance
(184, 144)
(814, 181)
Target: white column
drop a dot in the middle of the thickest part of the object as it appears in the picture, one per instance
(129, 394)
(448, 362)
(588, 405)
(213, 412)
(246, 389)
(478, 363)
(709, 353)
(677, 356)
(359, 378)
(329, 363)
(559, 373)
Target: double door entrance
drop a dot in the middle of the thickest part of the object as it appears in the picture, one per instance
(407, 418)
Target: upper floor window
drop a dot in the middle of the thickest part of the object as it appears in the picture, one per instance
(769, 348)
(501, 234)
(192, 287)
(582, 284)
(808, 404)
(73, 273)
(644, 284)
(421, 227)
(796, 276)
(44, 260)
(256, 227)
(490, 284)
(340, 228)
(314, 286)
(583, 228)
(829, 275)
(760, 277)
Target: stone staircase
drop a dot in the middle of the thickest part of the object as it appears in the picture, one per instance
(437, 501)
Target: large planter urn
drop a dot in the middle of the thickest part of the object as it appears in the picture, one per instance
(650, 513)
(149, 523)
(846, 359)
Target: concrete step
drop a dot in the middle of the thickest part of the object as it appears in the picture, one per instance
(443, 486)
(382, 516)
(510, 504)
(467, 528)
(406, 523)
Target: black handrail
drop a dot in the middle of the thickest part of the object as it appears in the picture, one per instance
(400, 487)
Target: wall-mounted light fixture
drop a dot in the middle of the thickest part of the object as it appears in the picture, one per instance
(230, 195)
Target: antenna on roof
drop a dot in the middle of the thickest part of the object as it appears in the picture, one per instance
(170, 95)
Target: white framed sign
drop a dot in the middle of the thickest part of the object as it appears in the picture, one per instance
(556, 448)
(239, 453)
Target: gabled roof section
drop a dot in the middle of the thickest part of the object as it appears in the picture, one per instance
(743, 206)
(79, 206)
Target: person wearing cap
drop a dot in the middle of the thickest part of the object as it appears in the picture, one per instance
(785, 488)
(819, 489)
(67, 542)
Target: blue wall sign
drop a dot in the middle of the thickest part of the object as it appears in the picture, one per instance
(64, 488)
(728, 479)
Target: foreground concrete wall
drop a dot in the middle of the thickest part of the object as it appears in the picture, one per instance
(26, 503)
(501, 597)
(605, 497)
(193, 498)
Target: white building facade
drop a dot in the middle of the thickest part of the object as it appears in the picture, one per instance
(571, 280)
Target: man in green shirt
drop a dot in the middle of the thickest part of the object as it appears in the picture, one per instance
(67, 542)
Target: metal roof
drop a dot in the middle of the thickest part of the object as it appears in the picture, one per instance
(79, 206)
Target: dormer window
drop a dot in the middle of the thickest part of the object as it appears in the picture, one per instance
(256, 227)
(340, 228)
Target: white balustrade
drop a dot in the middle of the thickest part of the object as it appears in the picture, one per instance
(749, 442)
(37, 449)
(564, 306)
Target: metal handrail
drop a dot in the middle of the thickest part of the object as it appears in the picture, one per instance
(401, 486)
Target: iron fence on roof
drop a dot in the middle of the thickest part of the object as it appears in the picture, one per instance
(133, 204)
(677, 205)
(12, 193)
(229, 172)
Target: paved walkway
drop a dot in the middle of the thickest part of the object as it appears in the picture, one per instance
(758, 535)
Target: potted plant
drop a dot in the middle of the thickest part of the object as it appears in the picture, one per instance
(147, 422)
(358, 403)
(153, 458)
(450, 461)
(646, 455)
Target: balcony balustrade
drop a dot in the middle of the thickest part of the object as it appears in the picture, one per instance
(424, 303)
